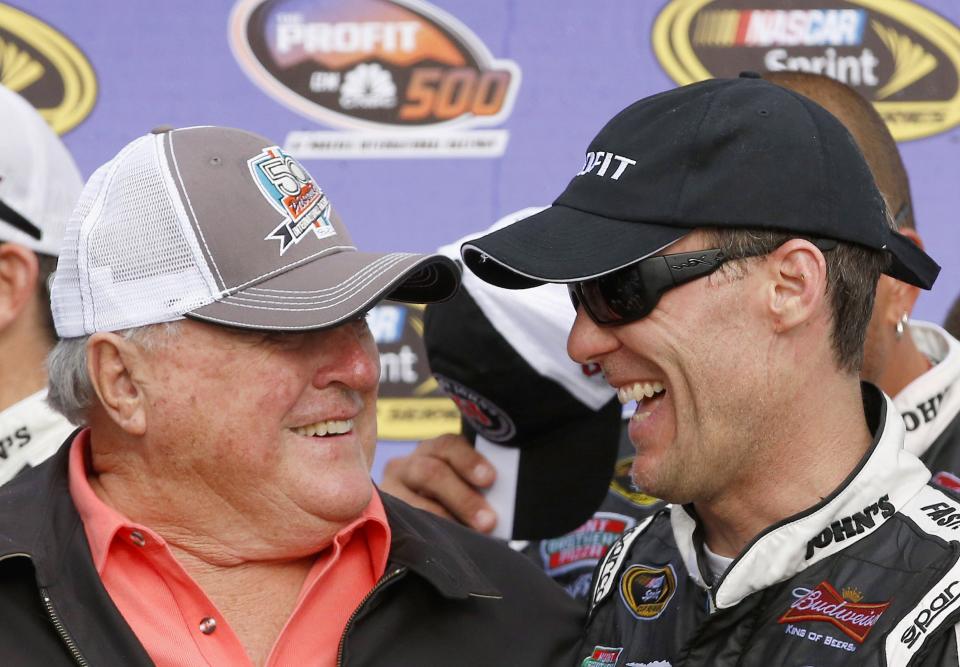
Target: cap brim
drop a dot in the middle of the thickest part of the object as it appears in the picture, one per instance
(573, 469)
(332, 289)
(562, 245)
(910, 264)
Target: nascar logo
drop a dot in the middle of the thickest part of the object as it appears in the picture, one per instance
(899, 55)
(779, 27)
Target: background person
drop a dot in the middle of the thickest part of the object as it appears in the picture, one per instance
(735, 266)
(915, 363)
(39, 184)
(217, 508)
(552, 493)
(952, 323)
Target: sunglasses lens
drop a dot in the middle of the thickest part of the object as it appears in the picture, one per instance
(597, 304)
(616, 298)
(574, 297)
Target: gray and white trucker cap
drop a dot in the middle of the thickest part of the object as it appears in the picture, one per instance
(221, 225)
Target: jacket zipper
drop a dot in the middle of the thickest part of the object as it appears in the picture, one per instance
(384, 580)
(52, 613)
(62, 631)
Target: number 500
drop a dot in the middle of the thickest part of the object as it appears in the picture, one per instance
(448, 93)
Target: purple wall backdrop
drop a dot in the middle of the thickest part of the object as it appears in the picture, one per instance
(171, 63)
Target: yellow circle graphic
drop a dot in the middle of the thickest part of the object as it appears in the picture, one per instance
(19, 71)
(889, 20)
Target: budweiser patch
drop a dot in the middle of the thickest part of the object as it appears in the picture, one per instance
(845, 611)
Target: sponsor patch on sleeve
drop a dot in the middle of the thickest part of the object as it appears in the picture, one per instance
(602, 655)
(584, 547)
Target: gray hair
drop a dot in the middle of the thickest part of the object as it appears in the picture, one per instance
(70, 390)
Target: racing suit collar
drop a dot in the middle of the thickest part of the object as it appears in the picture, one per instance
(29, 429)
(928, 404)
(886, 478)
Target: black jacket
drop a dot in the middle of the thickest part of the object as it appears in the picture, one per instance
(448, 596)
(869, 576)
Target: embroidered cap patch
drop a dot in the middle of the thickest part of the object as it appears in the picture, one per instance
(294, 194)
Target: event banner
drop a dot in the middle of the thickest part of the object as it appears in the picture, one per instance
(423, 122)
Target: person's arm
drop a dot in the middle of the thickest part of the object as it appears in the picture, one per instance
(445, 476)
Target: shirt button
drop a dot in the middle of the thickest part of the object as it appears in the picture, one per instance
(137, 538)
(208, 625)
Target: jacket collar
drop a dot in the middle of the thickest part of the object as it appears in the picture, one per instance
(39, 517)
(930, 403)
(886, 478)
(424, 544)
(40, 522)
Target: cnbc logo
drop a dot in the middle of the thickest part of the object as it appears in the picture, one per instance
(901, 56)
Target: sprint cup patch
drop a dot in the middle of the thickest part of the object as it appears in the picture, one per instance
(646, 590)
(292, 191)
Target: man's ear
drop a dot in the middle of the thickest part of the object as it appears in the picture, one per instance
(115, 365)
(797, 287)
(18, 281)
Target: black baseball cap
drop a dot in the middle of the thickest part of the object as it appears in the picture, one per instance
(566, 450)
(720, 153)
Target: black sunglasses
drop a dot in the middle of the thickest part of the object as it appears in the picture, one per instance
(631, 293)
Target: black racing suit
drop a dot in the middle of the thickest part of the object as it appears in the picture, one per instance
(869, 576)
(930, 407)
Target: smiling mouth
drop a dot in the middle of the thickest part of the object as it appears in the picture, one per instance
(325, 428)
(646, 394)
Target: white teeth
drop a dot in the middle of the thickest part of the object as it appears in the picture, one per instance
(639, 391)
(329, 427)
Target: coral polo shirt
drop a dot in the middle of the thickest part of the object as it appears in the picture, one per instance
(177, 623)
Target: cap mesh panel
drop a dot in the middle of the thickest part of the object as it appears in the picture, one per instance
(127, 253)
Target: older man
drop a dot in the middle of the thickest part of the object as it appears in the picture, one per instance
(216, 508)
(723, 243)
(39, 183)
